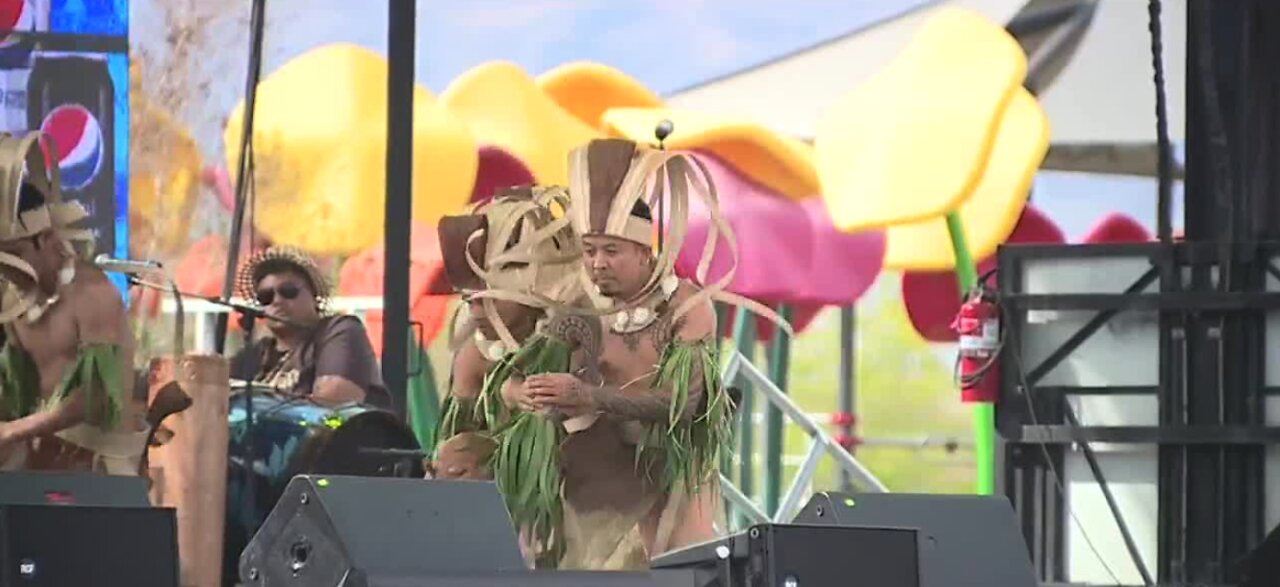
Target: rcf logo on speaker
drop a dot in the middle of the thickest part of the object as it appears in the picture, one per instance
(27, 568)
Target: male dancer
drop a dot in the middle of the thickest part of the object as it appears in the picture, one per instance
(64, 366)
(511, 260)
(641, 479)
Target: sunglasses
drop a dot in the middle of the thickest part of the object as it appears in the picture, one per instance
(267, 295)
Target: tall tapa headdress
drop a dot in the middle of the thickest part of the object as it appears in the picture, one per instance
(610, 180)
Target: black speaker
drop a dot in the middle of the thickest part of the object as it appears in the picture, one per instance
(666, 578)
(339, 531)
(967, 540)
(87, 546)
(64, 488)
(1261, 568)
(792, 555)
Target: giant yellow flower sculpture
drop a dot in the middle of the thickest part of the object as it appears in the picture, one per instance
(946, 127)
(939, 148)
(780, 163)
(503, 107)
(587, 90)
(320, 152)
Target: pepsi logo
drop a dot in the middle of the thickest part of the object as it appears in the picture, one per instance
(78, 138)
(16, 15)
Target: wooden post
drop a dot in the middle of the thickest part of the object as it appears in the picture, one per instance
(189, 471)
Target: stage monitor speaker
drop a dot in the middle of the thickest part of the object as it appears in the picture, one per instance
(1261, 568)
(66, 488)
(339, 530)
(87, 546)
(794, 555)
(969, 540)
(664, 578)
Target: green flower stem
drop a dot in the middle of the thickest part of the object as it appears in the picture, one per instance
(984, 414)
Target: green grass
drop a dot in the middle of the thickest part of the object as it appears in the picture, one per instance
(903, 390)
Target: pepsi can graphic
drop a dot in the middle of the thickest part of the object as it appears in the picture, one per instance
(70, 98)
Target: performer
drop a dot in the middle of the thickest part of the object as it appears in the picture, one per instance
(517, 266)
(640, 479)
(68, 353)
(310, 351)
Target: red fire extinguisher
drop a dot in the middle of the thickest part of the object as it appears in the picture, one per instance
(977, 367)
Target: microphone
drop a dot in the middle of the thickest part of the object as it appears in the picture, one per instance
(126, 266)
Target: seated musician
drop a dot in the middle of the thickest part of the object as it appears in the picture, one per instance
(67, 356)
(511, 222)
(309, 351)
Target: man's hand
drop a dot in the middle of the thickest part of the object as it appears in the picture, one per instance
(516, 394)
(465, 456)
(563, 392)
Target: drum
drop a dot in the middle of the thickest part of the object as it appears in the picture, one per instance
(294, 435)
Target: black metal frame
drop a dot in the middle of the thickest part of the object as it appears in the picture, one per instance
(401, 40)
(1194, 312)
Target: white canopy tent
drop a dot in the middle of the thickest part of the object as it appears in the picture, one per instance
(1097, 88)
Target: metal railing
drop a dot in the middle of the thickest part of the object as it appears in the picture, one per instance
(737, 366)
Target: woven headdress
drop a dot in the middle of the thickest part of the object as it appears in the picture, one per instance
(513, 248)
(24, 165)
(277, 259)
(608, 177)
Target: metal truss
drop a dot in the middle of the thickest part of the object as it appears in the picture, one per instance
(736, 368)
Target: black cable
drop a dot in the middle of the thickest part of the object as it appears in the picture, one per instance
(1164, 158)
(252, 205)
(256, 32)
(1092, 460)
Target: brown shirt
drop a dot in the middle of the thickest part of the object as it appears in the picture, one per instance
(339, 346)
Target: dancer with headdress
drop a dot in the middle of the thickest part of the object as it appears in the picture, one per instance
(68, 350)
(516, 265)
(650, 417)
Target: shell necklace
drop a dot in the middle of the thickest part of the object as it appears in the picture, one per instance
(640, 317)
(66, 275)
(493, 350)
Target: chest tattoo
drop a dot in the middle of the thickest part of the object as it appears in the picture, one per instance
(659, 333)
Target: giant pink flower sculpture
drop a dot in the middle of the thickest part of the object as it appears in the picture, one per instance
(788, 252)
(932, 298)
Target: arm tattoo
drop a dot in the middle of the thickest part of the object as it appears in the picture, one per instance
(581, 332)
(584, 335)
(649, 404)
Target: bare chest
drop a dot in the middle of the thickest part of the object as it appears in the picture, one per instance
(631, 357)
(51, 343)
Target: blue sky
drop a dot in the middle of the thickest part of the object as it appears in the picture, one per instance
(665, 44)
